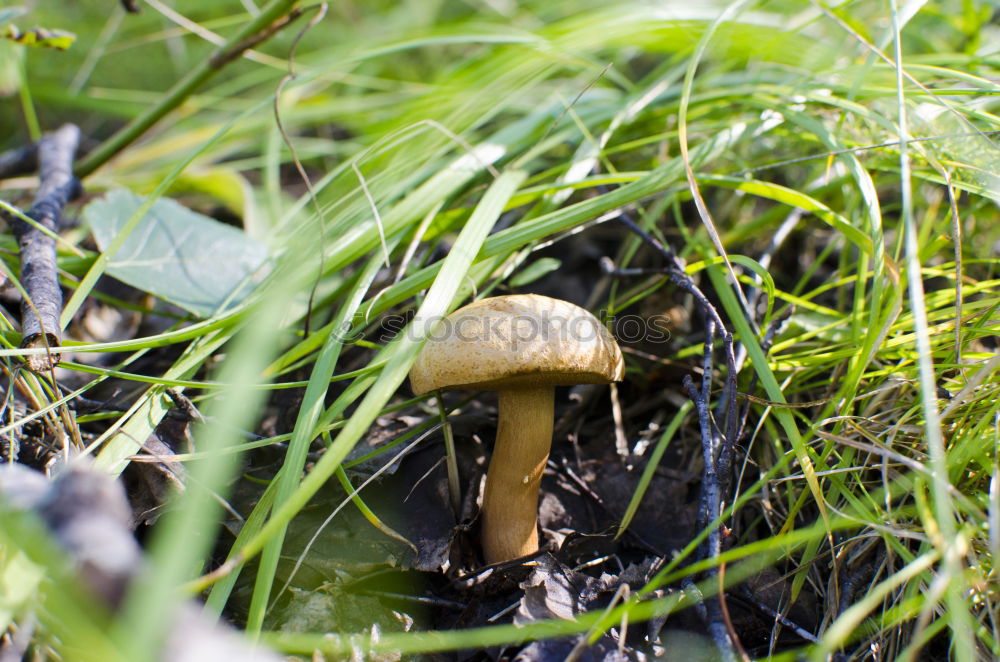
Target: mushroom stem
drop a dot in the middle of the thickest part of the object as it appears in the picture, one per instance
(510, 503)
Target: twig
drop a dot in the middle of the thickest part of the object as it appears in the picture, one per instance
(42, 304)
(87, 514)
(718, 446)
(800, 631)
(184, 405)
(236, 49)
(710, 502)
(675, 270)
(716, 627)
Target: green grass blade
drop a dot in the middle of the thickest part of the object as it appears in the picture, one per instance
(302, 435)
(185, 534)
(951, 546)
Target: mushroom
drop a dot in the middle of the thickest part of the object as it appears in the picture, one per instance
(521, 346)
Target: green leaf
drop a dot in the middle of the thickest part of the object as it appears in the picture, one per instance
(534, 271)
(179, 255)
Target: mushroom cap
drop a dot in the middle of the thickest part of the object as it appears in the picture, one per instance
(517, 341)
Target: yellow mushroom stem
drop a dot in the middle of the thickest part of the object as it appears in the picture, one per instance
(510, 503)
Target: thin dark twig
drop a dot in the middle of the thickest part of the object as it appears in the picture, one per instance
(718, 446)
(757, 604)
(19, 161)
(184, 405)
(710, 502)
(728, 403)
(718, 451)
(42, 306)
(666, 252)
(234, 51)
(709, 487)
(676, 272)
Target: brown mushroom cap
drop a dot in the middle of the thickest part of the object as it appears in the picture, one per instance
(517, 341)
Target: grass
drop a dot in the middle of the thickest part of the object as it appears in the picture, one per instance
(840, 159)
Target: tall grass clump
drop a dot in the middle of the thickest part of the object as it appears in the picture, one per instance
(827, 173)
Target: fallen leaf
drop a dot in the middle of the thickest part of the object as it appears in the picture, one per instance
(188, 259)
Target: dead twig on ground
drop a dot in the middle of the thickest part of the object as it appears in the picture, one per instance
(718, 445)
(87, 513)
(42, 303)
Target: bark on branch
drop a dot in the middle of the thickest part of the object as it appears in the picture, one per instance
(718, 445)
(42, 304)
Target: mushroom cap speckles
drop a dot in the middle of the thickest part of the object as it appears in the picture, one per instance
(517, 341)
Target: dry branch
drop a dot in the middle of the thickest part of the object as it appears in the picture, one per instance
(718, 445)
(43, 301)
(87, 513)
